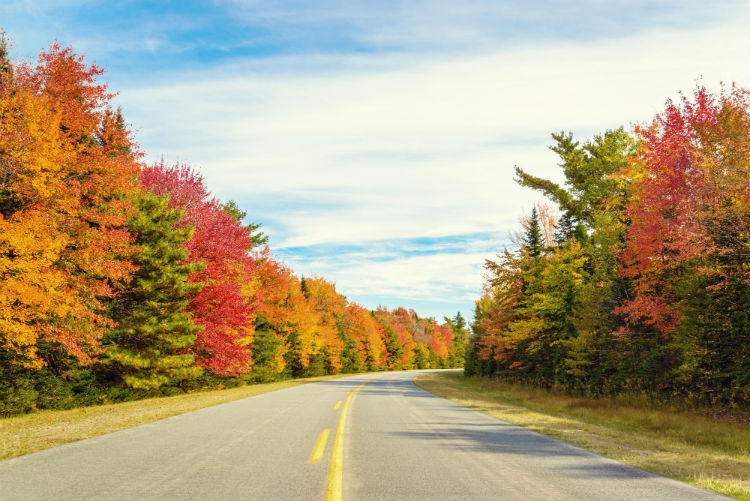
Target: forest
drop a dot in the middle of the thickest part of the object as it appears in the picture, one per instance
(634, 278)
(122, 280)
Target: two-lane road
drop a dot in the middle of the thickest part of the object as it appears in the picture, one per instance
(386, 439)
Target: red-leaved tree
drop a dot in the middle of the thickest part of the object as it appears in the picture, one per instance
(223, 306)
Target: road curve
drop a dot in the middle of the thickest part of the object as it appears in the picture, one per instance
(394, 441)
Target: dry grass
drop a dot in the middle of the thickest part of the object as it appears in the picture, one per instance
(687, 446)
(43, 429)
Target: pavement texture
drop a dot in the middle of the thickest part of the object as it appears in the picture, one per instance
(399, 442)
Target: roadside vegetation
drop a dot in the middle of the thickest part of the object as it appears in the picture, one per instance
(693, 446)
(640, 284)
(28, 433)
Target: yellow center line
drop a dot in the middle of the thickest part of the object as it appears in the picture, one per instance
(338, 404)
(320, 446)
(336, 476)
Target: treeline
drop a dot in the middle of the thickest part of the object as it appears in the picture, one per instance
(643, 282)
(120, 280)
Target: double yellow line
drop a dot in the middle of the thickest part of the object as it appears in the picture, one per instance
(336, 474)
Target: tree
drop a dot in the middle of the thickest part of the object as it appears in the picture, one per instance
(224, 306)
(565, 228)
(257, 237)
(148, 349)
(405, 325)
(589, 170)
(457, 326)
(533, 236)
(65, 180)
(393, 348)
(328, 306)
(361, 326)
(596, 190)
(686, 249)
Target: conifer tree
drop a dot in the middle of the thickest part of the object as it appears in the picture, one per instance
(533, 236)
(460, 337)
(393, 347)
(565, 228)
(144, 351)
(258, 237)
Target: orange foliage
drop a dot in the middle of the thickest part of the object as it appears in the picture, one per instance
(64, 177)
(404, 323)
(329, 307)
(362, 326)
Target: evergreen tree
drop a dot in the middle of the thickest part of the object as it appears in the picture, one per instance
(144, 351)
(533, 236)
(258, 237)
(460, 335)
(565, 228)
(394, 348)
(6, 69)
(268, 356)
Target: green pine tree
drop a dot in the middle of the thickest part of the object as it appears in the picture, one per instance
(258, 237)
(533, 236)
(565, 228)
(394, 348)
(460, 338)
(144, 350)
(5, 66)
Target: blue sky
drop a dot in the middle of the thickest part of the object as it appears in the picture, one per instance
(375, 140)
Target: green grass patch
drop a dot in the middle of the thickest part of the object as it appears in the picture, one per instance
(685, 445)
(43, 429)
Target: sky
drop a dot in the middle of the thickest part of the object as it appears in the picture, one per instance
(375, 140)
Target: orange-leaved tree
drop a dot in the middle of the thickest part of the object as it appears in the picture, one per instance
(67, 167)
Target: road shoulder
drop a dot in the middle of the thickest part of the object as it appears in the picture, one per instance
(724, 471)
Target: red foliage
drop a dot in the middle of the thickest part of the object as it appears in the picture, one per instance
(224, 245)
(442, 335)
(683, 182)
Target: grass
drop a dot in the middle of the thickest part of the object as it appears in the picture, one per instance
(43, 429)
(688, 446)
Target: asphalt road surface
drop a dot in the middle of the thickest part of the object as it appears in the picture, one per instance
(386, 439)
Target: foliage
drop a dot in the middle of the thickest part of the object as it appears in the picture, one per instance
(67, 167)
(119, 280)
(147, 349)
(223, 306)
(645, 284)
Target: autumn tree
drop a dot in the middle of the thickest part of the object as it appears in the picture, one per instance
(362, 327)
(223, 306)
(686, 249)
(405, 325)
(67, 171)
(329, 307)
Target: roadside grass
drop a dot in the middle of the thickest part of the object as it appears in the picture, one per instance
(687, 446)
(39, 430)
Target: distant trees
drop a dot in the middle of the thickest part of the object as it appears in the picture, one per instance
(645, 285)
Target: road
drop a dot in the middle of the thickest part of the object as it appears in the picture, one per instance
(386, 439)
